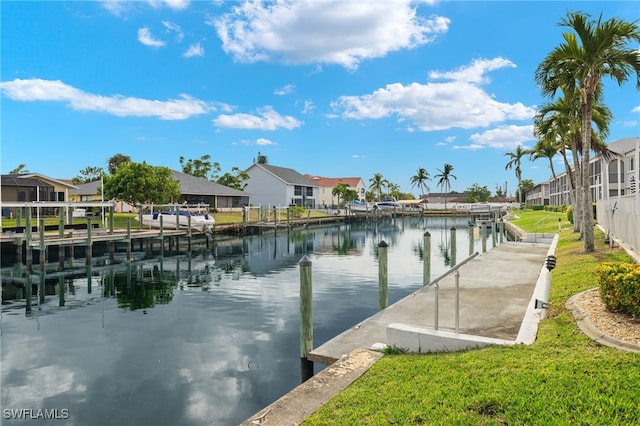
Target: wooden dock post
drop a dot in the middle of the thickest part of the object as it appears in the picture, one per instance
(61, 222)
(454, 246)
(41, 244)
(483, 230)
(501, 230)
(19, 217)
(161, 236)
(471, 240)
(89, 251)
(129, 239)
(306, 318)
(494, 234)
(426, 259)
(28, 241)
(383, 288)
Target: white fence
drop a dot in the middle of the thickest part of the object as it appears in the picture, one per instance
(620, 217)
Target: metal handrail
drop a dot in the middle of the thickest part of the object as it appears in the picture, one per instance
(436, 283)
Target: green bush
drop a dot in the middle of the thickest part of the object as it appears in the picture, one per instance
(619, 285)
(297, 211)
(570, 214)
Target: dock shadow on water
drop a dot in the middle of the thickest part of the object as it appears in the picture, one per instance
(201, 338)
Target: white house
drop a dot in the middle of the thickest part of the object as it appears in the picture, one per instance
(326, 186)
(280, 187)
(614, 189)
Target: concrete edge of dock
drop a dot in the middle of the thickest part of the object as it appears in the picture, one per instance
(306, 398)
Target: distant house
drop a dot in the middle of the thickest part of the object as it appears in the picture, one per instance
(280, 186)
(32, 187)
(199, 190)
(193, 190)
(326, 186)
(539, 195)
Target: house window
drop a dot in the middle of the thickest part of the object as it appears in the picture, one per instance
(22, 196)
(60, 196)
(297, 190)
(309, 191)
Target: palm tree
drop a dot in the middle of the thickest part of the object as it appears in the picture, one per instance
(377, 183)
(560, 121)
(515, 162)
(596, 49)
(444, 180)
(339, 190)
(420, 180)
(545, 148)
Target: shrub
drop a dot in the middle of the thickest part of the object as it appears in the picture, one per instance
(297, 211)
(619, 285)
(570, 214)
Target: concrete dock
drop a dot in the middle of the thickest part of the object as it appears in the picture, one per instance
(497, 293)
(495, 290)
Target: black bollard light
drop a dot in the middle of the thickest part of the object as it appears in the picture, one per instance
(550, 262)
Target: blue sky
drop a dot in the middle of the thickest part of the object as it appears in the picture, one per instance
(330, 88)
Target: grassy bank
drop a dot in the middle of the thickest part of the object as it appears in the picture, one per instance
(564, 378)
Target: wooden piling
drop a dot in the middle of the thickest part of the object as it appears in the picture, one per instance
(383, 289)
(41, 288)
(28, 238)
(471, 239)
(129, 239)
(306, 318)
(41, 244)
(89, 251)
(426, 261)
(483, 231)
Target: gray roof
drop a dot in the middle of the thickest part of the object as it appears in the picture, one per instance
(198, 186)
(90, 188)
(22, 180)
(289, 176)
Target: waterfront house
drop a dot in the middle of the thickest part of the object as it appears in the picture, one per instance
(193, 190)
(280, 187)
(326, 186)
(33, 187)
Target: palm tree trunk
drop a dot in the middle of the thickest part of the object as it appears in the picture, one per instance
(587, 208)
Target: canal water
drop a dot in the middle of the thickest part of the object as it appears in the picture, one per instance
(202, 338)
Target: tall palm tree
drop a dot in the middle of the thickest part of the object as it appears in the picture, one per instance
(515, 162)
(420, 180)
(377, 183)
(594, 50)
(545, 148)
(444, 180)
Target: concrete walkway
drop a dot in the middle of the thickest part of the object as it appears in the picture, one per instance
(495, 291)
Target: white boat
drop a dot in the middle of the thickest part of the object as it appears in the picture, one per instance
(199, 221)
(388, 204)
(358, 206)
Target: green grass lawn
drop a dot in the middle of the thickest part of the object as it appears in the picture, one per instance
(564, 378)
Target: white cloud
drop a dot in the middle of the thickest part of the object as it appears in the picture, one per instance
(194, 50)
(145, 37)
(264, 142)
(308, 107)
(503, 137)
(285, 90)
(342, 32)
(636, 109)
(57, 91)
(459, 103)
(172, 4)
(171, 27)
(268, 119)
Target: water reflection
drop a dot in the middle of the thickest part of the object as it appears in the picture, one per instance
(202, 338)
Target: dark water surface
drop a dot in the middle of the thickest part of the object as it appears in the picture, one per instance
(207, 338)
